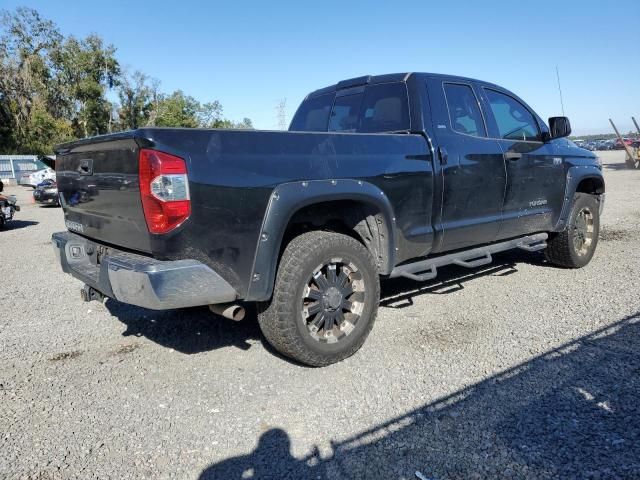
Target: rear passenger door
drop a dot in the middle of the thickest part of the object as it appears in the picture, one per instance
(535, 176)
(471, 165)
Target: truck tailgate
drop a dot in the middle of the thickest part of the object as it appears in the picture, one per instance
(99, 190)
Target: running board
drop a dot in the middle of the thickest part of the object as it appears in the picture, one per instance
(476, 257)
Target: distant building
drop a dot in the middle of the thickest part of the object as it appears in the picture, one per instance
(13, 167)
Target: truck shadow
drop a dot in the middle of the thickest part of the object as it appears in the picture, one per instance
(400, 292)
(572, 412)
(189, 331)
(197, 330)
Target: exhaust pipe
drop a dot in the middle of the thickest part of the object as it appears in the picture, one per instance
(229, 310)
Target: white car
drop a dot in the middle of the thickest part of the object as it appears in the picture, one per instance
(37, 177)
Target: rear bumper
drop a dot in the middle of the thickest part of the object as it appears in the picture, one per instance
(140, 280)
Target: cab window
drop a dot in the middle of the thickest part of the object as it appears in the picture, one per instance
(464, 112)
(344, 115)
(385, 108)
(313, 114)
(514, 120)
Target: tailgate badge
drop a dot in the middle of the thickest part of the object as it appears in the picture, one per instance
(74, 226)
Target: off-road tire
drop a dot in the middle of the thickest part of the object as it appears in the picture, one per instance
(561, 249)
(282, 319)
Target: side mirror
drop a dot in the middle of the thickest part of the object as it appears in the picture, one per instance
(559, 127)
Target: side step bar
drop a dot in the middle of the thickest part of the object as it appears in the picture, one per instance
(476, 257)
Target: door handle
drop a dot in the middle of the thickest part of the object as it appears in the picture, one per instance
(443, 155)
(513, 156)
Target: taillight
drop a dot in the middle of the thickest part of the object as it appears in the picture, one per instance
(164, 190)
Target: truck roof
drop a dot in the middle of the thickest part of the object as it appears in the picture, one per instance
(386, 78)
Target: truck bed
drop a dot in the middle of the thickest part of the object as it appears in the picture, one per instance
(232, 174)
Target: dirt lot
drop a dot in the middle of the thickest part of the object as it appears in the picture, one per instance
(515, 370)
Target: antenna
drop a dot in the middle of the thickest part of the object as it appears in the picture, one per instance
(560, 90)
(281, 114)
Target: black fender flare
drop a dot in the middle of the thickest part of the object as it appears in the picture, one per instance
(286, 199)
(575, 175)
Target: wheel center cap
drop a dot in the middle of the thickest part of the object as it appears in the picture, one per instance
(332, 298)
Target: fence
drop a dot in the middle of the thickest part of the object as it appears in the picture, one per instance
(13, 167)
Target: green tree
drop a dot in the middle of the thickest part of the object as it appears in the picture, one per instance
(177, 110)
(45, 131)
(210, 114)
(54, 89)
(136, 101)
(26, 41)
(245, 124)
(86, 70)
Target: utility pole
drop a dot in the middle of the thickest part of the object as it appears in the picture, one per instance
(281, 114)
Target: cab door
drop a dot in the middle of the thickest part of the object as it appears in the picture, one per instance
(471, 166)
(535, 173)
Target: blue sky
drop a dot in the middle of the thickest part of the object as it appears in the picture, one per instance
(249, 55)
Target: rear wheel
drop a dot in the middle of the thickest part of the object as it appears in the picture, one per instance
(574, 247)
(325, 299)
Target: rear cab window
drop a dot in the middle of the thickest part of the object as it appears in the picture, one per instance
(345, 112)
(313, 114)
(379, 108)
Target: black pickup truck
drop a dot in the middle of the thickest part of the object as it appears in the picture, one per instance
(378, 176)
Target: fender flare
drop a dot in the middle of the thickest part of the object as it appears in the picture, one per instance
(286, 200)
(575, 175)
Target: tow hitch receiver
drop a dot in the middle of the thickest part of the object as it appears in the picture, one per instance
(89, 294)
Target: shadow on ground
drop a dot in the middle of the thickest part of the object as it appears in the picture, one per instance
(198, 330)
(618, 166)
(192, 330)
(400, 292)
(17, 224)
(570, 413)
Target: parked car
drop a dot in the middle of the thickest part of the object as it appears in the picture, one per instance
(34, 178)
(1, 186)
(46, 193)
(379, 176)
(620, 144)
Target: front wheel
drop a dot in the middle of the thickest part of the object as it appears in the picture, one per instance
(574, 247)
(324, 301)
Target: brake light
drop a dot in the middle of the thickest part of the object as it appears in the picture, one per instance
(164, 190)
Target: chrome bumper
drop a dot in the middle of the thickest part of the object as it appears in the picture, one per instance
(140, 280)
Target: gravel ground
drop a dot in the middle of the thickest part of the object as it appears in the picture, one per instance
(514, 370)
